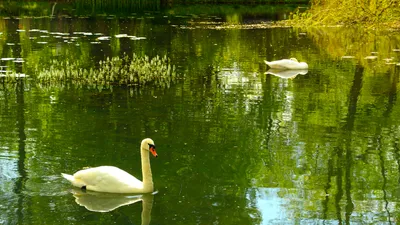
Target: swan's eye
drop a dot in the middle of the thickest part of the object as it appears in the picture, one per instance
(151, 146)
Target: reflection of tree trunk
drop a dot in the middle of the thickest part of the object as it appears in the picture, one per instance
(397, 151)
(21, 148)
(327, 187)
(348, 177)
(392, 95)
(352, 108)
(267, 120)
(353, 97)
(339, 175)
(346, 162)
(382, 161)
(392, 99)
(378, 135)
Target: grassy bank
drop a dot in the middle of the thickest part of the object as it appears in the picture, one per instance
(349, 12)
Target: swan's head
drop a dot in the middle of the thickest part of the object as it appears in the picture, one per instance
(148, 144)
(294, 59)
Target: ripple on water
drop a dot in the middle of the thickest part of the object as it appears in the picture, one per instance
(9, 169)
(8, 164)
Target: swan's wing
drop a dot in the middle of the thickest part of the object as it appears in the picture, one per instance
(287, 64)
(280, 64)
(107, 179)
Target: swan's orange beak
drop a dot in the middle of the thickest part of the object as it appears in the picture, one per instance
(153, 151)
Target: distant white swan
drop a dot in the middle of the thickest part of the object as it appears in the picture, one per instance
(286, 74)
(287, 64)
(114, 180)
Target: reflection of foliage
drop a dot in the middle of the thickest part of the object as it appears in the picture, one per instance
(116, 70)
(339, 42)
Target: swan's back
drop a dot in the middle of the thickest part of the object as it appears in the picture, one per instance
(108, 179)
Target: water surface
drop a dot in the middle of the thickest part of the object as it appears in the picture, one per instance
(236, 143)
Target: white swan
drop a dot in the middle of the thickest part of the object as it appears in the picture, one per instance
(287, 64)
(114, 180)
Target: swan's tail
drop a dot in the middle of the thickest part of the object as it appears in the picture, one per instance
(70, 178)
(74, 181)
(268, 63)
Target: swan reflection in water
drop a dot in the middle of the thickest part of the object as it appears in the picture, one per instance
(106, 202)
(286, 74)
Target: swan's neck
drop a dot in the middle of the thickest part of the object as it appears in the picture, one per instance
(146, 171)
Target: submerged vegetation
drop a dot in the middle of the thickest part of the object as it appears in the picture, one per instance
(348, 12)
(134, 70)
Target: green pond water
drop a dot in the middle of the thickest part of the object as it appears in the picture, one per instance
(237, 143)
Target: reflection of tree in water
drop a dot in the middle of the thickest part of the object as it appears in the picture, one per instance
(347, 151)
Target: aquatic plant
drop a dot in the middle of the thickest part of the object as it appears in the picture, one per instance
(125, 70)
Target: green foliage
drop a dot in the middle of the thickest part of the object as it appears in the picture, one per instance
(129, 7)
(347, 12)
(240, 1)
(222, 10)
(11, 8)
(123, 71)
(90, 7)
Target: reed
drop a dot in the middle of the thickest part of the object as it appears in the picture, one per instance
(125, 70)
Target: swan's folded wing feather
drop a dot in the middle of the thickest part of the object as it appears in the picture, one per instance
(108, 179)
(279, 64)
(287, 64)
